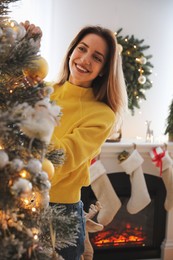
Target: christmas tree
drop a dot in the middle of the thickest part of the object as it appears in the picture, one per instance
(169, 123)
(29, 228)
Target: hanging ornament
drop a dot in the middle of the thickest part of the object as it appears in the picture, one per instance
(16, 164)
(19, 29)
(21, 186)
(34, 166)
(142, 60)
(38, 69)
(142, 79)
(48, 167)
(3, 159)
(1, 32)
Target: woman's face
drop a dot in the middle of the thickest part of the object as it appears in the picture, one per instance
(87, 60)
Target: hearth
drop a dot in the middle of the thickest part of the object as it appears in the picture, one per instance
(130, 236)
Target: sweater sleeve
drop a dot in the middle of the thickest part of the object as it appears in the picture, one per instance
(84, 142)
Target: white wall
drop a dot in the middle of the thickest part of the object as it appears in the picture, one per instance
(151, 20)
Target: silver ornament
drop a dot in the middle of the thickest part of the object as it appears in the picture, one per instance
(143, 60)
(4, 159)
(17, 164)
(142, 79)
(34, 166)
(21, 186)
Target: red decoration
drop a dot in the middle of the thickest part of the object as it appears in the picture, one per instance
(93, 161)
(157, 154)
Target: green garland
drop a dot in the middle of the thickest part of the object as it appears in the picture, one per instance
(169, 120)
(136, 68)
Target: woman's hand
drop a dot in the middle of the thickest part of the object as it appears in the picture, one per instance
(32, 31)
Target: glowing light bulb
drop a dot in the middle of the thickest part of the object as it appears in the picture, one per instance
(35, 237)
(34, 209)
(26, 201)
(23, 174)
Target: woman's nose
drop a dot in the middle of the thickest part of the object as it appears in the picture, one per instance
(86, 59)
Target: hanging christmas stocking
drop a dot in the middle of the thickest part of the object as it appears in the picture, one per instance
(162, 160)
(139, 198)
(104, 193)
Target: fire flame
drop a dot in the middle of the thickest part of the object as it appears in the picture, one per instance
(110, 238)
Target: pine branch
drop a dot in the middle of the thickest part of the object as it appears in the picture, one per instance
(4, 6)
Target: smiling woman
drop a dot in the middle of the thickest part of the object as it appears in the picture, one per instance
(60, 20)
(91, 87)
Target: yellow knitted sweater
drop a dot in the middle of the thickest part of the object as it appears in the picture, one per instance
(84, 126)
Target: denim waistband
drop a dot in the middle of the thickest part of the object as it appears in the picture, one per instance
(76, 205)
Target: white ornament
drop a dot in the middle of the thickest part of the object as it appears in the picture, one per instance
(21, 31)
(142, 79)
(45, 200)
(17, 165)
(34, 166)
(21, 186)
(39, 122)
(44, 176)
(10, 34)
(3, 159)
(1, 32)
(142, 60)
(48, 184)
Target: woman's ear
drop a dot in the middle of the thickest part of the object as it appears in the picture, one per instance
(101, 74)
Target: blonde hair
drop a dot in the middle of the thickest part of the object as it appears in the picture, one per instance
(110, 87)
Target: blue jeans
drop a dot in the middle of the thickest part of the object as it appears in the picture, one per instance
(75, 252)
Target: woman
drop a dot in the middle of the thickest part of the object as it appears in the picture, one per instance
(92, 93)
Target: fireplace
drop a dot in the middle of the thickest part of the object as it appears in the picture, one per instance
(131, 236)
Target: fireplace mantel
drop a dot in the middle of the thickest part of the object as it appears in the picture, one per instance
(108, 157)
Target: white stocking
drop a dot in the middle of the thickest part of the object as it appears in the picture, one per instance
(104, 193)
(167, 176)
(139, 194)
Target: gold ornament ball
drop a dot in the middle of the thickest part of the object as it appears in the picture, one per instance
(38, 69)
(48, 167)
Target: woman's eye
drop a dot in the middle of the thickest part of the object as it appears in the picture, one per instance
(97, 58)
(81, 48)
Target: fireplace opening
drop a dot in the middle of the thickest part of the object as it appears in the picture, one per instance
(130, 236)
(127, 230)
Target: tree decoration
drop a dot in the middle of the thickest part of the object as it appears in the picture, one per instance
(38, 68)
(136, 67)
(48, 167)
(27, 120)
(169, 123)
